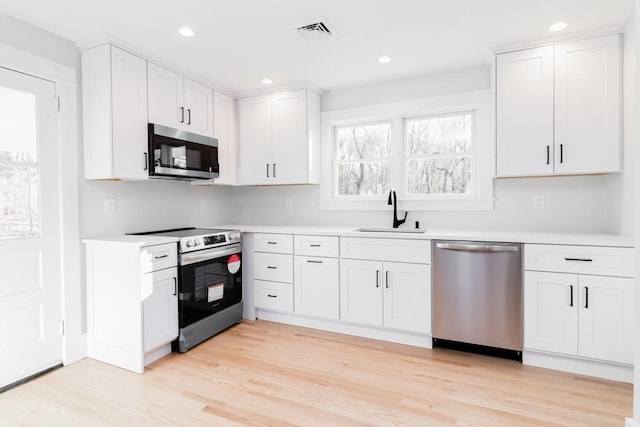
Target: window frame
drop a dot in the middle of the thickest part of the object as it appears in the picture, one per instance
(483, 152)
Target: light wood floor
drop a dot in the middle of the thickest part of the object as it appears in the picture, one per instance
(262, 373)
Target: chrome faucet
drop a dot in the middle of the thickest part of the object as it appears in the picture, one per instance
(396, 221)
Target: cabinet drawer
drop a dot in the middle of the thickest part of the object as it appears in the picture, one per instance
(276, 243)
(273, 267)
(157, 257)
(273, 296)
(324, 246)
(580, 259)
(400, 250)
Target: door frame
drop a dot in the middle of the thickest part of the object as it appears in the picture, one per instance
(74, 342)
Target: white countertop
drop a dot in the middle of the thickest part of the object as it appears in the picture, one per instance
(580, 239)
(141, 241)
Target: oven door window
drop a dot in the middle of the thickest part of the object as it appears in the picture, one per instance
(208, 287)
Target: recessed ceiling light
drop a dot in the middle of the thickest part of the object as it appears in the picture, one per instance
(186, 31)
(267, 81)
(558, 26)
(384, 59)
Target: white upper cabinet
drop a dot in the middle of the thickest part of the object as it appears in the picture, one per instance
(525, 112)
(179, 103)
(279, 138)
(588, 104)
(224, 130)
(558, 109)
(114, 101)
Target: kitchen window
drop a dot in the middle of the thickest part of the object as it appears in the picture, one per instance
(435, 152)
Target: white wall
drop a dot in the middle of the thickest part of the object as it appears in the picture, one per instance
(572, 204)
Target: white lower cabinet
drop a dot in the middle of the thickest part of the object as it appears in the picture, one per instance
(132, 301)
(160, 309)
(390, 294)
(316, 285)
(584, 315)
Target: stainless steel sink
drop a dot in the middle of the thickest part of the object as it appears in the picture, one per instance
(392, 230)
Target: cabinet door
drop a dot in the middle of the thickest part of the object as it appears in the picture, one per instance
(289, 133)
(224, 130)
(198, 104)
(160, 309)
(361, 291)
(129, 109)
(524, 108)
(254, 115)
(407, 297)
(551, 312)
(316, 284)
(587, 100)
(606, 318)
(166, 97)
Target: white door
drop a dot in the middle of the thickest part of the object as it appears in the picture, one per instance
(524, 109)
(30, 283)
(316, 286)
(606, 318)
(551, 312)
(254, 116)
(587, 99)
(166, 97)
(289, 121)
(361, 291)
(160, 309)
(407, 297)
(198, 101)
(224, 123)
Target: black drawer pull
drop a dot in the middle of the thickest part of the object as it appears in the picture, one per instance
(272, 243)
(571, 290)
(586, 297)
(579, 259)
(161, 256)
(272, 296)
(315, 246)
(314, 261)
(271, 267)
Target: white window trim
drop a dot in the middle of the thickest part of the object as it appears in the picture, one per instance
(479, 101)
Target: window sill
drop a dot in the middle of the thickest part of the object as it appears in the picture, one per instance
(408, 205)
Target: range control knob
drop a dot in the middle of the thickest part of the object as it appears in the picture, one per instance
(190, 243)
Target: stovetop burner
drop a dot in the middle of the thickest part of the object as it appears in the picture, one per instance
(194, 239)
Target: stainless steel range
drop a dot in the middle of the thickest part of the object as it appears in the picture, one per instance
(209, 284)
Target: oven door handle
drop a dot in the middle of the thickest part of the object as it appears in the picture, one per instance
(209, 254)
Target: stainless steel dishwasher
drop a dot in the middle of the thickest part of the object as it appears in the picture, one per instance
(477, 296)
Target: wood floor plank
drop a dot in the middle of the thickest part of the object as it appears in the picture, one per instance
(269, 374)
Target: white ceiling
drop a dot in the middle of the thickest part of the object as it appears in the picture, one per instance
(240, 42)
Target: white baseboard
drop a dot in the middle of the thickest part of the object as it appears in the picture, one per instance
(408, 338)
(576, 365)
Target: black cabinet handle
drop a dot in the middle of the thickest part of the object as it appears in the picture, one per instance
(181, 114)
(586, 297)
(571, 298)
(272, 296)
(315, 246)
(274, 170)
(161, 256)
(146, 161)
(189, 116)
(547, 154)
(386, 279)
(272, 243)
(377, 278)
(561, 153)
(272, 267)
(314, 261)
(175, 286)
(268, 170)
(579, 259)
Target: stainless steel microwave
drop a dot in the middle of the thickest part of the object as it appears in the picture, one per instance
(175, 153)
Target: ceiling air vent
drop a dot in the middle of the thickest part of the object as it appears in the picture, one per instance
(316, 29)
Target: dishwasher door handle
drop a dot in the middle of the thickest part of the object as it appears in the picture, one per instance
(477, 248)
